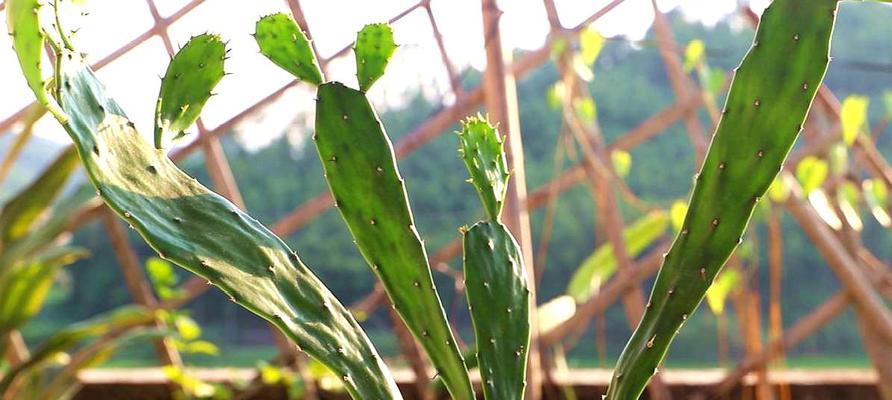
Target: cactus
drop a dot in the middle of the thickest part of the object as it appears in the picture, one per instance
(186, 86)
(282, 41)
(495, 277)
(374, 46)
(481, 149)
(361, 171)
(769, 98)
(28, 38)
(201, 231)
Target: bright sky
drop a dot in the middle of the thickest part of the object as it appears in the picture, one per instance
(133, 81)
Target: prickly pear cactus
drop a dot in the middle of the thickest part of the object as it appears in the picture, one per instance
(481, 150)
(201, 231)
(28, 38)
(374, 46)
(495, 277)
(281, 40)
(767, 104)
(361, 171)
(186, 86)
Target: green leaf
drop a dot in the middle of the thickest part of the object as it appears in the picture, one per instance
(839, 159)
(622, 162)
(22, 211)
(556, 94)
(283, 42)
(374, 47)
(778, 191)
(601, 264)
(694, 54)
(811, 173)
(847, 198)
(853, 117)
(590, 45)
(26, 284)
(162, 276)
(718, 292)
(585, 109)
(713, 80)
(187, 327)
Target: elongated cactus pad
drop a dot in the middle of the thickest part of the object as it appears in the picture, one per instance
(481, 148)
(361, 171)
(285, 44)
(767, 104)
(499, 299)
(201, 231)
(186, 86)
(23, 22)
(374, 46)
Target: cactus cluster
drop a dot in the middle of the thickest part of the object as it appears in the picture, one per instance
(201, 231)
(495, 276)
(769, 98)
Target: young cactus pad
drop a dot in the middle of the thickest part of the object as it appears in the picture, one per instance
(193, 227)
(481, 148)
(374, 46)
(495, 277)
(28, 38)
(767, 104)
(361, 171)
(284, 43)
(191, 76)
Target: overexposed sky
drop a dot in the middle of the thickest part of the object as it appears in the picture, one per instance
(133, 78)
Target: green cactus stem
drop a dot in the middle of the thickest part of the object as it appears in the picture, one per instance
(361, 171)
(285, 44)
(203, 232)
(495, 277)
(769, 98)
(374, 47)
(482, 151)
(28, 38)
(186, 86)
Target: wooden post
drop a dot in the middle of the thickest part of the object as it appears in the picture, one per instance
(500, 98)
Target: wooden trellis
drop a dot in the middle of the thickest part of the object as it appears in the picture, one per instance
(859, 272)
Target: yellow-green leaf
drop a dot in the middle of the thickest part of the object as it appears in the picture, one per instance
(811, 172)
(778, 191)
(677, 214)
(718, 293)
(853, 116)
(693, 54)
(187, 327)
(876, 197)
(590, 44)
(622, 162)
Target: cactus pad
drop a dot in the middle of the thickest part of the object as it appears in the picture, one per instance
(481, 148)
(766, 106)
(499, 299)
(361, 171)
(374, 46)
(285, 44)
(201, 231)
(186, 86)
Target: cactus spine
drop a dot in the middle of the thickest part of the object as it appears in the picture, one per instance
(186, 86)
(769, 98)
(495, 277)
